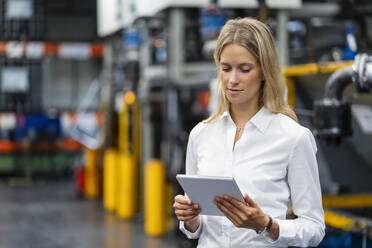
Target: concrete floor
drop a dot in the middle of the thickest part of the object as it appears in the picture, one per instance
(51, 215)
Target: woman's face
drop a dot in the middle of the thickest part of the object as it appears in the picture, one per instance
(240, 75)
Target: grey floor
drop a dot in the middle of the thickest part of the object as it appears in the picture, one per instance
(51, 215)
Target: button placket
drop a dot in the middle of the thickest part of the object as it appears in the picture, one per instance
(229, 152)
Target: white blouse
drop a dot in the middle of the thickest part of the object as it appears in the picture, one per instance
(274, 163)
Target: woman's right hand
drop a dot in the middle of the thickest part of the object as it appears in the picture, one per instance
(187, 211)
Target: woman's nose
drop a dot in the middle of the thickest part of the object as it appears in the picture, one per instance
(233, 79)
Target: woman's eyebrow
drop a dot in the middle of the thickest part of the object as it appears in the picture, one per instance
(241, 64)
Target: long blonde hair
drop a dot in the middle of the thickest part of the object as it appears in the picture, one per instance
(256, 37)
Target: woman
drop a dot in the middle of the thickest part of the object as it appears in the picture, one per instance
(254, 137)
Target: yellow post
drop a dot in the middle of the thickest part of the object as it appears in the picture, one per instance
(128, 174)
(291, 91)
(155, 190)
(92, 188)
(109, 179)
(127, 187)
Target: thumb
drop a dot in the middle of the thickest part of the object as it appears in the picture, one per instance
(249, 201)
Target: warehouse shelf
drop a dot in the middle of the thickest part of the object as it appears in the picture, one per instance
(38, 49)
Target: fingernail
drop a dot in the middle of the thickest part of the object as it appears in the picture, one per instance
(196, 206)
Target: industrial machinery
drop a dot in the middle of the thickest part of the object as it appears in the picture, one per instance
(347, 211)
(332, 114)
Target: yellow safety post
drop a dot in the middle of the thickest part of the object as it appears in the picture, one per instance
(155, 190)
(92, 182)
(128, 174)
(110, 179)
(127, 187)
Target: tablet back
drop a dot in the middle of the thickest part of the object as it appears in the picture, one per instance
(203, 189)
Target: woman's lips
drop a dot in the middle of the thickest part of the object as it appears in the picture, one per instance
(234, 92)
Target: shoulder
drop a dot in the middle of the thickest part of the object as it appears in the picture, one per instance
(290, 127)
(203, 129)
(198, 130)
(299, 134)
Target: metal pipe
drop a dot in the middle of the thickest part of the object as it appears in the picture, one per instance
(338, 82)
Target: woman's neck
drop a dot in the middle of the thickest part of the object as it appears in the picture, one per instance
(242, 114)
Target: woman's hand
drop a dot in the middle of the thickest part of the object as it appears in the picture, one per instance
(187, 211)
(247, 215)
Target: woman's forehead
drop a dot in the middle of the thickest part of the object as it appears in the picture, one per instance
(235, 53)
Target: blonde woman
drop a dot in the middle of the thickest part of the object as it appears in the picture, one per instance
(254, 137)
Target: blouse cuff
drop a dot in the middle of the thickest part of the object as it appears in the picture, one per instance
(191, 235)
(285, 233)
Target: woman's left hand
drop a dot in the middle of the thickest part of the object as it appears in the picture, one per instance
(247, 215)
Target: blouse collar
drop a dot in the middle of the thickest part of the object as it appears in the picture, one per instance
(260, 120)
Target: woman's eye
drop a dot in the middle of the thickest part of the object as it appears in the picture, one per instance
(245, 70)
(225, 69)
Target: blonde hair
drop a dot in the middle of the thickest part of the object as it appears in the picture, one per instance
(256, 37)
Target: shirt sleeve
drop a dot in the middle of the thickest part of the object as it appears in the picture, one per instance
(192, 235)
(191, 169)
(303, 179)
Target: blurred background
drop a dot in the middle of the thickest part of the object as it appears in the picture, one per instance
(97, 99)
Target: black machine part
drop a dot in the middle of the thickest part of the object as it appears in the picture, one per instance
(332, 120)
(332, 115)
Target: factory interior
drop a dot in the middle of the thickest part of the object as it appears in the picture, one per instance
(98, 98)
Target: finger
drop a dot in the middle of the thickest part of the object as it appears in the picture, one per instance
(186, 212)
(232, 208)
(242, 206)
(249, 201)
(230, 215)
(182, 199)
(177, 205)
(186, 218)
(186, 201)
(228, 202)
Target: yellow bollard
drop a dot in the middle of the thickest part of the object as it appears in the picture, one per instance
(127, 187)
(91, 174)
(155, 198)
(109, 179)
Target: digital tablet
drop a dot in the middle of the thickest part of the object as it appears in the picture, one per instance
(203, 189)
